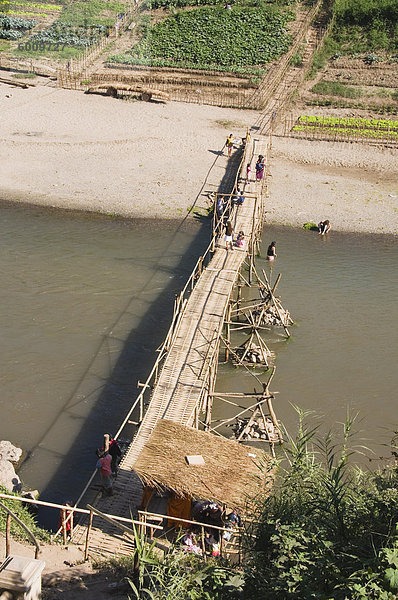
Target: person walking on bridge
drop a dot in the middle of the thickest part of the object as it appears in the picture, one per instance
(105, 470)
(229, 236)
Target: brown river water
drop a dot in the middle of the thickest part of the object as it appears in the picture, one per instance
(86, 300)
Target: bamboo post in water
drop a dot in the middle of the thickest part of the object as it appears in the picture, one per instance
(228, 332)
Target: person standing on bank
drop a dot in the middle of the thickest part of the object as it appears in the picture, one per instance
(229, 236)
(271, 252)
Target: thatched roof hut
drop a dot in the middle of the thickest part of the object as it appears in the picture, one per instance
(231, 472)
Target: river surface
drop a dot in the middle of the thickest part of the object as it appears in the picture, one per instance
(86, 300)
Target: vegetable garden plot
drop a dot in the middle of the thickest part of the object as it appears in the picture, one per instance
(13, 28)
(210, 36)
(359, 129)
(359, 122)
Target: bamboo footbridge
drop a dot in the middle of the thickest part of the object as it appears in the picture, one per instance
(182, 380)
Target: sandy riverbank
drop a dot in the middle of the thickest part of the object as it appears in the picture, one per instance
(355, 186)
(66, 149)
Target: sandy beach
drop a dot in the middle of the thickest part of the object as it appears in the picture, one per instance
(65, 149)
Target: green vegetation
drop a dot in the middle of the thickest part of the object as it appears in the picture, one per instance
(13, 28)
(91, 13)
(359, 27)
(381, 109)
(366, 25)
(25, 516)
(64, 35)
(79, 24)
(382, 129)
(329, 529)
(24, 75)
(178, 576)
(170, 4)
(349, 132)
(36, 5)
(127, 59)
(310, 226)
(297, 60)
(334, 88)
(209, 37)
(356, 122)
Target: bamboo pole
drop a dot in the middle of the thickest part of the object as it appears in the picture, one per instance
(89, 526)
(63, 513)
(25, 527)
(275, 304)
(228, 332)
(8, 534)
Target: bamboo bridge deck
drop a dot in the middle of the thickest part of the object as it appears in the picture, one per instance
(183, 376)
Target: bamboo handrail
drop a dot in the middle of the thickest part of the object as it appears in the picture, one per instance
(66, 507)
(144, 513)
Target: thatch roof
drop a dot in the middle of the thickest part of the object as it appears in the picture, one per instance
(231, 472)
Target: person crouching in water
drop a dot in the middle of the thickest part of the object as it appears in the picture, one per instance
(229, 236)
(271, 252)
(323, 227)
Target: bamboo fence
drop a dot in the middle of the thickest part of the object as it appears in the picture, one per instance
(185, 85)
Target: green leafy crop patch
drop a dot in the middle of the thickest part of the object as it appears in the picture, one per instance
(215, 36)
(348, 128)
(354, 122)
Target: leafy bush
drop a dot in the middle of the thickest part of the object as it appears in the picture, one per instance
(329, 530)
(366, 25)
(333, 88)
(215, 36)
(25, 516)
(178, 576)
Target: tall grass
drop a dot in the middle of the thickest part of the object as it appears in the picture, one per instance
(334, 88)
(329, 529)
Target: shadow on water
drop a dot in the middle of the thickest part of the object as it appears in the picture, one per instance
(111, 399)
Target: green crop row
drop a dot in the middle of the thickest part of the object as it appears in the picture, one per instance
(13, 28)
(215, 36)
(376, 108)
(33, 5)
(29, 14)
(349, 122)
(65, 35)
(349, 132)
(127, 59)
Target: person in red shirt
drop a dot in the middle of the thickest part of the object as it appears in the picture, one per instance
(104, 466)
